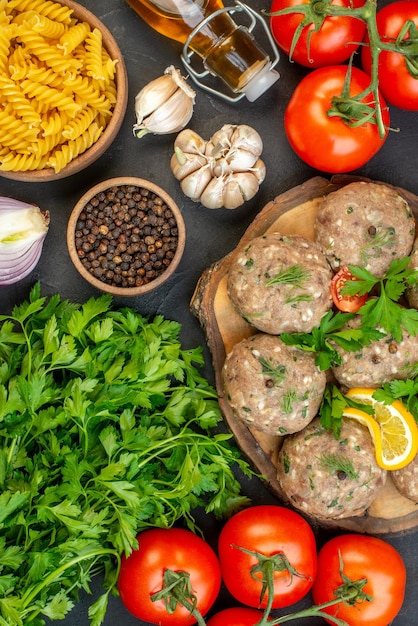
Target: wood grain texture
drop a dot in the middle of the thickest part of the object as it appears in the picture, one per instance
(293, 212)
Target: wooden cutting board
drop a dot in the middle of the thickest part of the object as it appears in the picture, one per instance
(293, 212)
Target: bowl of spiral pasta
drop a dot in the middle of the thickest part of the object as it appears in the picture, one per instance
(63, 89)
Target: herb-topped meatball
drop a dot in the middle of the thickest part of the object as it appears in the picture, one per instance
(280, 283)
(406, 480)
(365, 224)
(326, 478)
(272, 387)
(378, 363)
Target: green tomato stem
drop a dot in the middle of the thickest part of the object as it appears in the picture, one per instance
(263, 571)
(350, 593)
(177, 590)
(313, 611)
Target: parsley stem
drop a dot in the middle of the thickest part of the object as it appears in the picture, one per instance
(169, 443)
(32, 592)
(15, 442)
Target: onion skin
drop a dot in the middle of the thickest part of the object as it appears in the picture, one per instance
(19, 257)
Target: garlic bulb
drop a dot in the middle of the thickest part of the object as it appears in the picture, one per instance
(224, 171)
(163, 106)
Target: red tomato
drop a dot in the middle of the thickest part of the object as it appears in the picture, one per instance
(396, 83)
(327, 143)
(363, 557)
(345, 303)
(236, 616)
(269, 530)
(333, 43)
(175, 549)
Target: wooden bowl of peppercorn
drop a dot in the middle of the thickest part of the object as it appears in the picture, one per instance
(126, 236)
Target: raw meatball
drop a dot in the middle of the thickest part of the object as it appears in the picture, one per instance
(406, 480)
(412, 292)
(280, 283)
(378, 363)
(366, 224)
(272, 387)
(326, 478)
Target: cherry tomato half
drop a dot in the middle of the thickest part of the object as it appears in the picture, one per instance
(398, 84)
(269, 530)
(362, 557)
(327, 143)
(175, 549)
(343, 302)
(333, 43)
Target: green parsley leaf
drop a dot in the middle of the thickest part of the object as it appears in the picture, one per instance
(384, 310)
(323, 338)
(404, 390)
(332, 408)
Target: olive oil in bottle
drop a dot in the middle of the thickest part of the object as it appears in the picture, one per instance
(228, 51)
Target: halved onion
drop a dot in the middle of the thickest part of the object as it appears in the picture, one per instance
(23, 228)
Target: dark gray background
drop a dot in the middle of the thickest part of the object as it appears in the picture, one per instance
(210, 234)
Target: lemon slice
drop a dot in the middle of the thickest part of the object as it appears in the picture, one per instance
(393, 428)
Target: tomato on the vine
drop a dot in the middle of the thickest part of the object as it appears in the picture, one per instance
(172, 552)
(238, 616)
(326, 142)
(272, 534)
(344, 302)
(372, 561)
(334, 42)
(398, 74)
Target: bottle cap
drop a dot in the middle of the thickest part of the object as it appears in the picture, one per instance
(260, 83)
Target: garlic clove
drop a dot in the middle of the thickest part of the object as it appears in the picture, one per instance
(212, 196)
(189, 141)
(239, 187)
(183, 164)
(223, 136)
(195, 183)
(170, 117)
(232, 194)
(164, 106)
(216, 151)
(247, 138)
(220, 167)
(240, 160)
(153, 96)
(259, 170)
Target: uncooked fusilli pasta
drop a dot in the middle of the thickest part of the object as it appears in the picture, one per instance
(53, 10)
(57, 85)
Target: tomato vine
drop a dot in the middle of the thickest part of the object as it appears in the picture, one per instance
(315, 12)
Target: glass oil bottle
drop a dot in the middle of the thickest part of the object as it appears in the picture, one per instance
(228, 51)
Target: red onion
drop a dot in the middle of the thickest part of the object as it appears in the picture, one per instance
(23, 228)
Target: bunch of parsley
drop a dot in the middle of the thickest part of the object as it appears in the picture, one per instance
(106, 428)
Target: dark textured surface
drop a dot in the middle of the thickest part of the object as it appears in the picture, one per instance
(210, 234)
